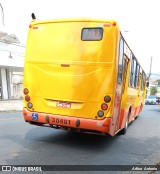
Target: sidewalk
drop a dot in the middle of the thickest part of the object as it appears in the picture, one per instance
(11, 105)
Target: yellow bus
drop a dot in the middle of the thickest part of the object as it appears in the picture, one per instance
(80, 75)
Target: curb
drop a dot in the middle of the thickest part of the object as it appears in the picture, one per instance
(11, 105)
(11, 111)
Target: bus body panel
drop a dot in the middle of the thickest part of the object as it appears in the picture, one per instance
(75, 88)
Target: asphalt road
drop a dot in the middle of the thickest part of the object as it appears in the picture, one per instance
(25, 144)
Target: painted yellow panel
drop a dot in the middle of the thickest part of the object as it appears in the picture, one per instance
(60, 67)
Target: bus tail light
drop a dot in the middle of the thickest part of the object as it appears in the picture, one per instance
(30, 105)
(25, 91)
(104, 106)
(107, 98)
(100, 113)
(27, 98)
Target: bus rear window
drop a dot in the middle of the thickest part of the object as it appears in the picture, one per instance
(92, 34)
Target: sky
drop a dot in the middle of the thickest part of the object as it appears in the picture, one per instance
(139, 21)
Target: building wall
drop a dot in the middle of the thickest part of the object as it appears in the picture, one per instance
(16, 85)
(11, 61)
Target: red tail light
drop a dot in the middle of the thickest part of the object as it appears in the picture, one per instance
(104, 106)
(27, 98)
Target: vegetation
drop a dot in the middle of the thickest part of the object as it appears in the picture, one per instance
(153, 90)
(158, 82)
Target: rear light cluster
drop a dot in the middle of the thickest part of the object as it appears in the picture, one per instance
(27, 98)
(104, 106)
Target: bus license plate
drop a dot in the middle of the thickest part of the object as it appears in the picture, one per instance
(63, 105)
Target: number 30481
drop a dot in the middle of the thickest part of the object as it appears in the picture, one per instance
(60, 121)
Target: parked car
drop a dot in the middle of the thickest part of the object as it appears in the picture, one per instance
(158, 100)
(151, 100)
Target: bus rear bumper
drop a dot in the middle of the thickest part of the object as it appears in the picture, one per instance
(66, 122)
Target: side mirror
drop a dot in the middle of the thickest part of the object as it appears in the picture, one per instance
(147, 84)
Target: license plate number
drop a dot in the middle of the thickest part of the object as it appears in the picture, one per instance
(63, 105)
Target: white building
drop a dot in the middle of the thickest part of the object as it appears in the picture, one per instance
(11, 61)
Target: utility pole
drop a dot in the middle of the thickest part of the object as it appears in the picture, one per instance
(150, 69)
(2, 14)
(148, 78)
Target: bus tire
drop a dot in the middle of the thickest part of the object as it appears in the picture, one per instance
(124, 130)
(136, 117)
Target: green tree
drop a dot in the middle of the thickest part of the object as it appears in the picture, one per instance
(153, 90)
(158, 82)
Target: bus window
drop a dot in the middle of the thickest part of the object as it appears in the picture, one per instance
(133, 69)
(136, 75)
(143, 81)
(125, 65)
(121, 51)
(92, 34)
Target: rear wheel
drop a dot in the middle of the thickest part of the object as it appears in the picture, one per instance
(136, 117)
(124, 130)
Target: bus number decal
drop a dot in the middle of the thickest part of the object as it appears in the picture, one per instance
(61, 121)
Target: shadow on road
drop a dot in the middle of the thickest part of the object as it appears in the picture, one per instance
(72, 139)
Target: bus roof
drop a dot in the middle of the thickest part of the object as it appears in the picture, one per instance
(35, 22)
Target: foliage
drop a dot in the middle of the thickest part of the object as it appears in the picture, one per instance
(153, 90)
(158, 82)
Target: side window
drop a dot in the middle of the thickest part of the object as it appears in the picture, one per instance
(121, 51)
(143, 81)
(136, 75)
(132, 71)
(125, 67)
